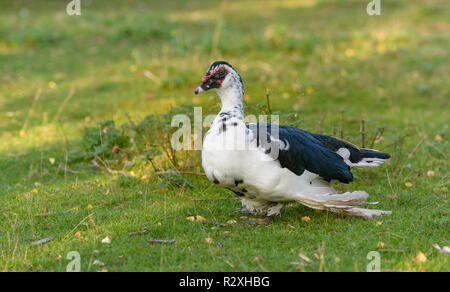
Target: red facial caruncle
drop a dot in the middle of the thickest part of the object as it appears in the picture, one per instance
(212, 73)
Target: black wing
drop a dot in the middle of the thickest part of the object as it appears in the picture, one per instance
(306, 151)
(356, 154)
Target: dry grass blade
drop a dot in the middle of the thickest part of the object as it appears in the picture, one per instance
(161, 241)
(44, 240)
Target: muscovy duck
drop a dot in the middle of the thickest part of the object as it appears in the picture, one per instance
(269, 165)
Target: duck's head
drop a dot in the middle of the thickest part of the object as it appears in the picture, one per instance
(219, 76)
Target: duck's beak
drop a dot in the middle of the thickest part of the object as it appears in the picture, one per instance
(199, 90)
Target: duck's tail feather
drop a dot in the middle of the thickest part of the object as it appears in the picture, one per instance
(341, 203)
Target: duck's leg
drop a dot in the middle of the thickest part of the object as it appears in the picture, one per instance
(274, 210)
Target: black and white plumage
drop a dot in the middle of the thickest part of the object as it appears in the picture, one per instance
(268, 165)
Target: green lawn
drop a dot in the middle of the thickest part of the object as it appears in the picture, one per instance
(326, 61)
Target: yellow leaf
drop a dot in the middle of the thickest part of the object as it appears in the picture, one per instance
(78, 234)
(420, 258)
(209, 240)
(36, 184)
(197, 218)
(200, 218)
(89, 206)
(306, 218)
(380, 244)
(379, 223)
(52, 84)
(34, 191)
(309, 90)
(408, 184)
(133, 68)
(75, 208)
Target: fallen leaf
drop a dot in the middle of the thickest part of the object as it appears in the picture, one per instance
(197, 218)
(98, 263)
(106, 240)
(133, 68)
(209, 240)
(257, 258)
(52, 160)
(306, 218)
(380, 244)
(89, 206)
(438, 137)
(309, 90)
(7, 134)
(430, 173)
(379, 223)
(305, 258)
(200, 218)
(420, 258)
(34, 191)
(52, 84)
(78, 234)
(408, 184)
(231, 222)
(349, 52)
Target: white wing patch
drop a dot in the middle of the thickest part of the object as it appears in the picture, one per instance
(365, 162)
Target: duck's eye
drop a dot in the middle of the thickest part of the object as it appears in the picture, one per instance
(221, 72)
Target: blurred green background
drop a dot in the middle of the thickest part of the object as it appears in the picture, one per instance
(327, 65)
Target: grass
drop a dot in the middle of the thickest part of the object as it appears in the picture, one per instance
(326, 61)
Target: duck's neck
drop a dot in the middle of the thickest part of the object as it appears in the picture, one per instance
(231, 98)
